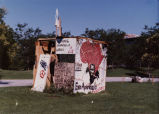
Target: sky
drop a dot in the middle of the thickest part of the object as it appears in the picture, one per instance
(129, 16)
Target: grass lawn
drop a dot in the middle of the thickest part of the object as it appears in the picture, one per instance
(119, 98)
(12, 74)
(156, 72)
(121, 72)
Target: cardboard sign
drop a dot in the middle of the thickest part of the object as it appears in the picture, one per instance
(42, 72)
(66, 46)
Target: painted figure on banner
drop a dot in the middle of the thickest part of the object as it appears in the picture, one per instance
(93, 75)
(91, 54)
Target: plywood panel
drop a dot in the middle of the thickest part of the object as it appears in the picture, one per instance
(64, 75)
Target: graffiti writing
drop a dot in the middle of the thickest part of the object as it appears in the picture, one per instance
(60, 49)
(42, 73)
(99, 89)
(70, 50)
(63, 45)
(43, 64)
(85, 87)
(78, 66)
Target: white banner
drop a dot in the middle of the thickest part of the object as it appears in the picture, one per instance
(90, 67)
(66, 46)
(42, 72)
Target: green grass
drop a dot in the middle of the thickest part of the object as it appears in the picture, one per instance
(119, 72)
(119, 98)
(12, 74)
(122, 72)
(155, 72)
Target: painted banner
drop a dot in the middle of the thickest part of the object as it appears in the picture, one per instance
(66, 46)
(42, 72)
(90, 67)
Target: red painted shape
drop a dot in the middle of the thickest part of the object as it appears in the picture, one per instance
(42, 73)
(91, 53)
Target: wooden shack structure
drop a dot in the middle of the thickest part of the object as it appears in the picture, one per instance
(78, 64)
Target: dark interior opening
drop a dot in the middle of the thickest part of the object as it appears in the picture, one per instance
(69, 58)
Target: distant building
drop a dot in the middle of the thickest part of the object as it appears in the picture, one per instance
(131, 38)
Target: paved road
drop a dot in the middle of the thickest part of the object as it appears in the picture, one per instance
(29, 82)
(128, 79)
(118, 79)
(12, 83)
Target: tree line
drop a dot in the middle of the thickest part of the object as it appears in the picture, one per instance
(17, 46)
(142, 52)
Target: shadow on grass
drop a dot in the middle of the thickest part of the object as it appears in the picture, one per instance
(4, 82)
(138, 73)
(142, 72)
(1, 81)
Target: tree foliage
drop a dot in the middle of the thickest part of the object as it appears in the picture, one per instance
(3, 12)
(116, 46)
(7, 43)
(151, 54)
(25, 37)
(145, 50)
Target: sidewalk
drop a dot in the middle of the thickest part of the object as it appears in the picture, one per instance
(129, 79)
(29, 82)
(14, 83)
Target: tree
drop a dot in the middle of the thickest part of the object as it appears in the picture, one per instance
(3, 12)
(151, 55)
(134, 53)
(99, 34)
(26, 37)
(116, 47)
(7, 43)
(66, 34)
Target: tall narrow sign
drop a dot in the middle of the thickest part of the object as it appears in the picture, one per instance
(42, 72)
